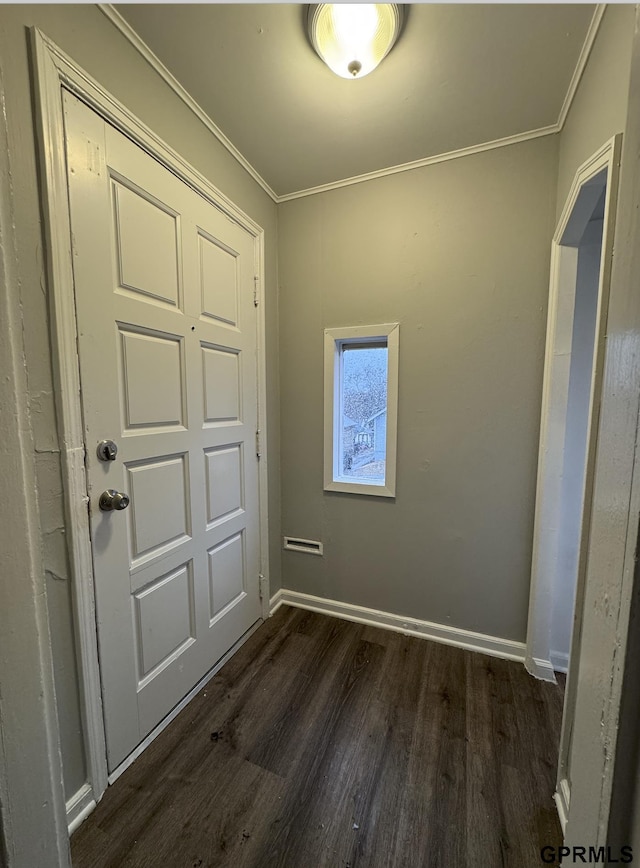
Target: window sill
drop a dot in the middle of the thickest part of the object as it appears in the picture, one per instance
(351, 487)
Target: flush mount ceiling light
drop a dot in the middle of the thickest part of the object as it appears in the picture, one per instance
(352, 38)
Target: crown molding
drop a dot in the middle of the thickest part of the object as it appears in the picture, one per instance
(426, 161)
(583, 57)
(154, 61)
(141, 46)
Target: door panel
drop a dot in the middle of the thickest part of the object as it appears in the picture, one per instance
(164, 619)
(146, 245)
(218, 281)
(167, 347)
(227, 574)
(153, 531)
(224, 483)
(142, 352)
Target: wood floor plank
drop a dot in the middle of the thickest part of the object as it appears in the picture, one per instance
(436, 778)
(318, 815)
(395, 711)
(297, 723)
(328, 744)
(487, 830)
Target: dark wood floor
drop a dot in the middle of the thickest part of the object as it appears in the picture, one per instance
(327, 743)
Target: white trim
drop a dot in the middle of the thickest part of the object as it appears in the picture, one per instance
(546, 558)
(583, 57)
(263, 464)
(541, 669)
(606, 157)
(275, 602)
(152, 59)
(611, 574)
(53, 70)
(506, 649)
(33, 828)
(67, 393)
(79, 807)
(334, 338)
(561, 798)
(552, 424)
(425, 161)
(560, 661)
(164, 723)
(158, 66)
(91, 92)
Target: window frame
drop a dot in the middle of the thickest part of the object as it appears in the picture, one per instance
(334, 341)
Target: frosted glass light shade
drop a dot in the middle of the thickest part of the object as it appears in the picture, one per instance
(352, 38)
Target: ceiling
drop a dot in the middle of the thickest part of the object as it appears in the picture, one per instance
(459, 76)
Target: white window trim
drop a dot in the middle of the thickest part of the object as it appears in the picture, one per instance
(333, 339)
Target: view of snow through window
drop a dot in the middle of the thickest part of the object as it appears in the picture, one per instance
(364, 412)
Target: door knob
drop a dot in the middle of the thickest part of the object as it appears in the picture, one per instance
(111, 499)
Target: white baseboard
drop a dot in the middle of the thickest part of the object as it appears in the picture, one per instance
(459, 638)
(540, 669)
(560, 661)
(561, 798)
(79, 806)
(275, 602)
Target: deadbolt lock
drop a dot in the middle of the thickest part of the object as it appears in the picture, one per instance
(111, 499)
(107, 450)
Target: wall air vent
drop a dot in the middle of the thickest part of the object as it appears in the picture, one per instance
(310, 546)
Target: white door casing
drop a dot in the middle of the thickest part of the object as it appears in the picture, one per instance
(564, 262)
(547, 562)
(168, 365)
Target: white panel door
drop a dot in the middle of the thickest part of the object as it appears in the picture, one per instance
(168, 365)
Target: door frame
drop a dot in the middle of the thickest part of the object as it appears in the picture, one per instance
(578, 207)
(53, 71)
(555, 393)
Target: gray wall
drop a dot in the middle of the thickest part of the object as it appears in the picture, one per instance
(93, 42)
(599, 109)
(458, 253)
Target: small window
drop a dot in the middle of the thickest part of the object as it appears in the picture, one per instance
(361, 398)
